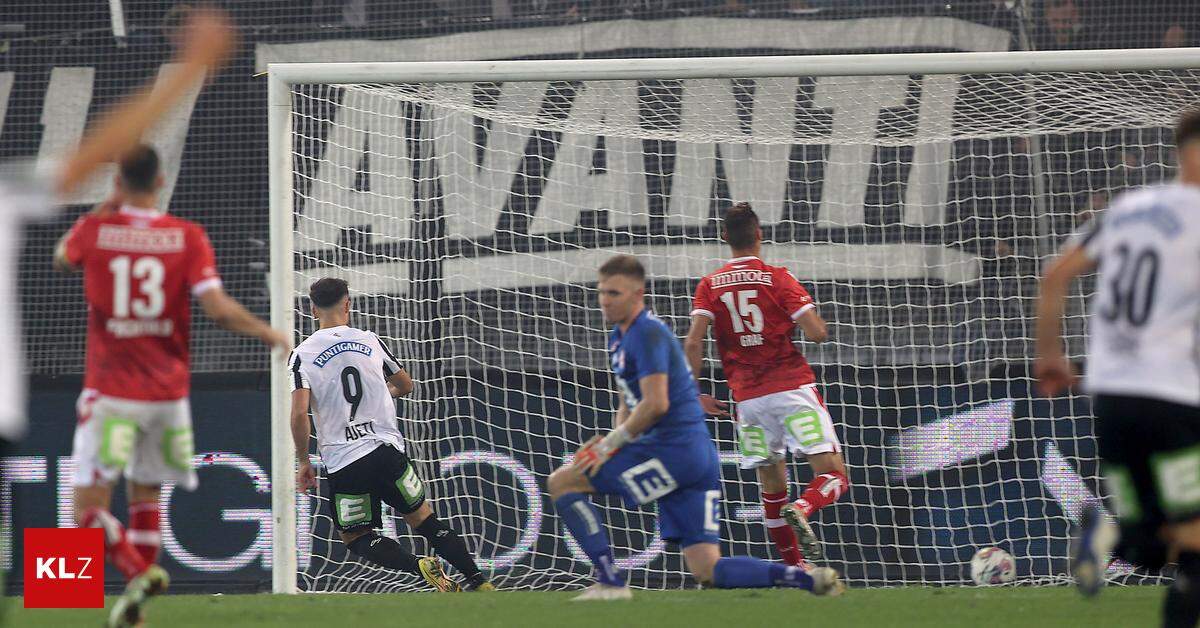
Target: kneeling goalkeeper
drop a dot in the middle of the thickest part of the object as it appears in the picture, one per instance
(349, 377)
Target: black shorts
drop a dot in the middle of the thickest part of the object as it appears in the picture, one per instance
(1150, 457)
(386, 474)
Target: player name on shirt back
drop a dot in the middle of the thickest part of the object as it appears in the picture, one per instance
(139, 240)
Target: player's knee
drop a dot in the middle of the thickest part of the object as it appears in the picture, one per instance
(144, 492)
(415, 518)
(1186, 535)
(348, 538)
(701, 559)
(561, 482)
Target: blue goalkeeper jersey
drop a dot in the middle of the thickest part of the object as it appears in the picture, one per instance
(647, 348)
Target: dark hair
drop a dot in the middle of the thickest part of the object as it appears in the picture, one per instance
(328, 292)
(627, 265)
(741, 226)
(1188, 127)
(139, 168)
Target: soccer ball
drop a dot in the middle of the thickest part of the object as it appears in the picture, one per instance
(992, 565)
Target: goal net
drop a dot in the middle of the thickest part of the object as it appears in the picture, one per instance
(916, 206)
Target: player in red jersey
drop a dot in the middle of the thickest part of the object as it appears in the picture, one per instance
(754, 309)
(141, 268)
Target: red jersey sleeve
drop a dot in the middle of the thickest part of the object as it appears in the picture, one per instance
(792, 296)
(202, 269)
(79, 240)
(702, 303)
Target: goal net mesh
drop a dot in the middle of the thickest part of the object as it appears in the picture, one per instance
(469, 219)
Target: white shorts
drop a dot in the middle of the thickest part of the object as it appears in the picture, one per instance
(149, 441)
(793, 420)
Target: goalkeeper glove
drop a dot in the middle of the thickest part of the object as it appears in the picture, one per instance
(597, 451)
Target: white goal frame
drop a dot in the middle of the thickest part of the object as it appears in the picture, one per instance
(282, 76)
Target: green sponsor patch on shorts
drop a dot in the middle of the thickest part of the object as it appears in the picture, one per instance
(352, 509)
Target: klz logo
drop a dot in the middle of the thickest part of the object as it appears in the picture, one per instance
(64, 568)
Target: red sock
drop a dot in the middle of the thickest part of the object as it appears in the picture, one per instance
(822, 491)
(780, 532)
(116, 546)
(143, 531)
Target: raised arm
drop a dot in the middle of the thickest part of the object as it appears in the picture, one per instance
(207, 43)
(1052, 369)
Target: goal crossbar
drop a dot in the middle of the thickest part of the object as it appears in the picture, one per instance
(737, 67)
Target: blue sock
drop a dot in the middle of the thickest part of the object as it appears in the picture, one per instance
(583, 521)
(744, 572)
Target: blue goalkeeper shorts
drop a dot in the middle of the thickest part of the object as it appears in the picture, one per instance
(684, 478)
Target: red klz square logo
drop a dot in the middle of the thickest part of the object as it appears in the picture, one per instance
(64, 568)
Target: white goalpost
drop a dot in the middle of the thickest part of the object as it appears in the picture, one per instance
(915, 195)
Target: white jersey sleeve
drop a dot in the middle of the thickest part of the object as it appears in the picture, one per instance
(296, 377)
(391, 365)
(1144, 325)
(346, 371)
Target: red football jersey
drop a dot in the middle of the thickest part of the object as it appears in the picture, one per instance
(140, 269)
(754, 307)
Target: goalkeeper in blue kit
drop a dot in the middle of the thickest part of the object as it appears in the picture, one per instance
(658, 451)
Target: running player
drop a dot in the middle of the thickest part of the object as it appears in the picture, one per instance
(141, 269)
(754, 309)
(659, 450)
(348, 377)
(1143, 373)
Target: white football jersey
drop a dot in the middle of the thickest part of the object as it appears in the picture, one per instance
(1145, 315)
(23, 196)
(346, 370)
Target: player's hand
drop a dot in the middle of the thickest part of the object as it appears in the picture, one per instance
(1054, 373)
(306, 478)
(591, 456)
(277, 340)
(713, 406)
(208, 37)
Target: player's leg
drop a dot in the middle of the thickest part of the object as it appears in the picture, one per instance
(144, 531)
(102, 447)
(357, 512)
(1125, 443)
(364, 542)
(402, 488)
(762, 447)
(690, 517)
(569, 488)
(1182, 605)
(1172, 465)
(773, 480)
(809, 431)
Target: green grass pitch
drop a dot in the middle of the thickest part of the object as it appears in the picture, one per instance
(1025, 607)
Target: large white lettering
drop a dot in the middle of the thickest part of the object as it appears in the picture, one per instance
(575, 184)
(15, 470)
(65, 113)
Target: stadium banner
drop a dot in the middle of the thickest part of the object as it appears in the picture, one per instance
(928, 475)
(214, 146)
